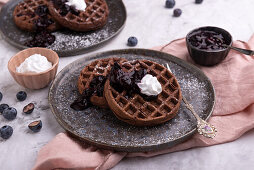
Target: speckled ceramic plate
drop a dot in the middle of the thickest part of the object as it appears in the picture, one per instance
(101, 128)
(67, 43)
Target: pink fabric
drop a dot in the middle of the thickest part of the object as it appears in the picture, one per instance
(233, 115)
(3, 2)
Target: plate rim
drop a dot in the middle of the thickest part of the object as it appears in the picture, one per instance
(131, 148)
(66, 53)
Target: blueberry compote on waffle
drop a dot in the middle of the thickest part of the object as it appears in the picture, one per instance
(119, 80)
(207, 40)
(96, 87)
(64, 8)
(128, 81)
(42, 37)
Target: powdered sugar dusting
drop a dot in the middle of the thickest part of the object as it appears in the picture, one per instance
(101, 126)
(67, 42)
(100, 69)
(77, 40)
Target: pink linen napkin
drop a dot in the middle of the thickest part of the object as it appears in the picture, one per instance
(233, 115)
(3, 2)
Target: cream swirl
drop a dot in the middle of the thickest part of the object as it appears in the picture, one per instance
(78, 4)
(150, 86)
(34, 64)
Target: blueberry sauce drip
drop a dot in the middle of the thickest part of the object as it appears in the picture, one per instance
(64, 8)
(42, 38)
(96, 87)
(119, 80)
(207, 40)
(42, 10)
(128, 81)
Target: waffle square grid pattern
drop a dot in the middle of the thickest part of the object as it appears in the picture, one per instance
(166, 101)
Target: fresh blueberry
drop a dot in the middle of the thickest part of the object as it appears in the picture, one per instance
(132, 41)
(1, 96)
(10, 113)
(177, 12)
(170, 3)
(2, 107)
(21, 96)
(28, 109)
(35, 126)
(6, 132)
(198, 1)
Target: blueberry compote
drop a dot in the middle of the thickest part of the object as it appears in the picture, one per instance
(96, 87)
(128, 81)
(42, 38)
(64, 8)
(207, 40)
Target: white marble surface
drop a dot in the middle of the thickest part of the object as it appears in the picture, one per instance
(153, 25)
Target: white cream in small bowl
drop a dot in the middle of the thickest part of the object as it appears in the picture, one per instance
(30, 69)
(36, 63)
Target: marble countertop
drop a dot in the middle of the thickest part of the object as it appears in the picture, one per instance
(153, 25)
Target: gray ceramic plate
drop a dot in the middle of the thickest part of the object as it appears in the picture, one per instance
(101, 128)
(67, 42)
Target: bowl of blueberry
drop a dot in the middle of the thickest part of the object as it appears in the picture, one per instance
(208, 45)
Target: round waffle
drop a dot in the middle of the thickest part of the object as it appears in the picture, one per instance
(93, 17)
(25, 17)
(138, 111)
(96, 68)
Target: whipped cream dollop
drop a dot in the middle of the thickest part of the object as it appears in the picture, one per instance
(78, 4)
(150, 86)
(34, 64)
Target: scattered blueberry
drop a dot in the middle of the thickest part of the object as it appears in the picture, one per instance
(28, 109)
(1, 96)
(6, 131)
(21, 96)
(10, 113)
(177, 12)
(170, 3)
(35, 126)
(132, 41)
(198, 1)
(2, 107)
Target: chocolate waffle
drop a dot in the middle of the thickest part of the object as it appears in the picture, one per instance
(93, 17)
(26, 18)
(97, 68)
(136, 110)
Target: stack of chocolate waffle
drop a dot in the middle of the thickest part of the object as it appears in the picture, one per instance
(134, 108)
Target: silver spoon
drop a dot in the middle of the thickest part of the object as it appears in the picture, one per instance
(241, 50)
(204, 128)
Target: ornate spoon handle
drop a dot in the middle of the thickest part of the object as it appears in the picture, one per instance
(204, 128)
